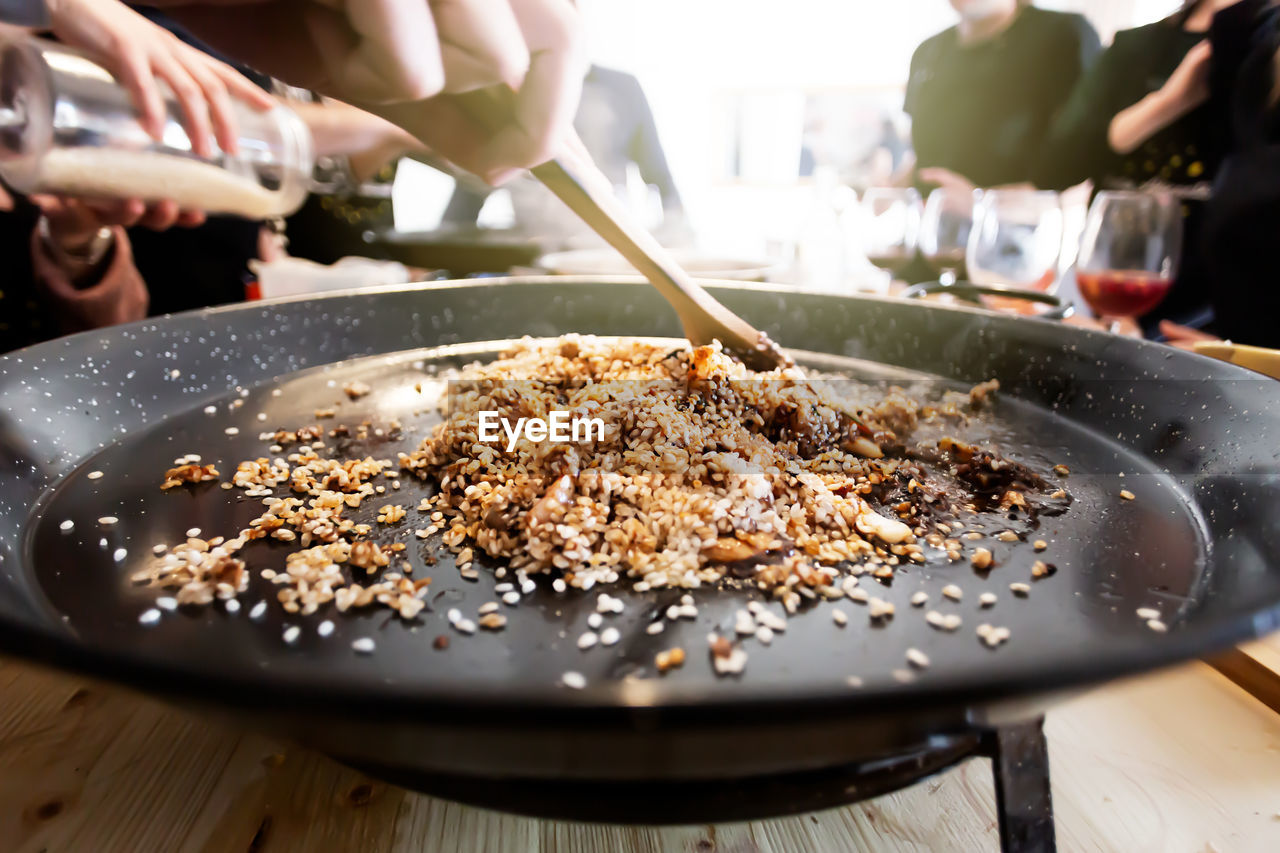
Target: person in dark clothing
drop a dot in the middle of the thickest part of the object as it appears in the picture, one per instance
(1242, 216)
(617, 127)
(1142, 116)
(982, 94)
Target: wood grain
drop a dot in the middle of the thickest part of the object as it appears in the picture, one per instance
(1182, 761)
(1256, 668)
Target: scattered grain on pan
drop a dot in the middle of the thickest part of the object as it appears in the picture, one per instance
(764, 634)
(655, 628)
(953, 592)
(917, 658)
(1126, 494)
(291, 634)
(943, 621)
(669, 659)
(167, 602)
(211, 410)
(1040, 569)
(464, 626)
(879, 609)
(258, 611)
(981, 558)
(573, 680)
(488, 607)
(149, 617)
(839, 617)
(987, 599)
(610, 637)
(1007, 536)
(511, 598)
(232, 430)
(232, 605)
(1061, 470)
(1020, 589)
(493, 621)
(95, 475)
(853, 681)
(1040, 545)
(193, 532)
(903, 676)
(919, 599)
(1148, 613)
(1157, 626)
(119, 554)
(108, 520)
(67, 526)
(363, 646)
(587, 639)
(325, 628)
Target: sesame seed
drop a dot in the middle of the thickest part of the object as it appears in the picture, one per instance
(67, 526)
(149, 617)
(587, 640)
(853, 681)
(595, 620)
(764, 634)
(987, 599)
(573, 680)
(291, 634)
(488, 607)
(95, 475)
(232, 430)
(108, 520)
(559, 585)
(610, 636)
(1157, 626)
(655, 627)
(1040, 545)
(258, 611)
(919, 599)
(210, 410)
(232, 605)
(903, 676)
(953, 592)
(1020, 589)
(981, 559)
(1126, 494)
(159, 548)
(167, 602)
(511, 598)
(465, 626)
(119, 554)
(839, 617)
(193, 532)
(363, 646)
(325, 628)
(1148, 613)
(917, 658)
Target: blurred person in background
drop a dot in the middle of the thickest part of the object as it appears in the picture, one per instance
(616, 125)
(1143, 116)
(983, 93)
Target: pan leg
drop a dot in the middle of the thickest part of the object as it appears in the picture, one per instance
(1020, 764)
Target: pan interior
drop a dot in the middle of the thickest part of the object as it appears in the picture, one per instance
(1112, 555)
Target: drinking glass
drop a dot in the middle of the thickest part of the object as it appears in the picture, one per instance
(1015, 243)
(944, 232)
(1129, 253)
(890, 226)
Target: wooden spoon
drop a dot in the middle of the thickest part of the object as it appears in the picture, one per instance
(575, 178)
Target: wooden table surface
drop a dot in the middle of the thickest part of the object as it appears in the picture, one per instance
(1178, 761)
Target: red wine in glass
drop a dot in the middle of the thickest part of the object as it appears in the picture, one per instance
(1123, 293)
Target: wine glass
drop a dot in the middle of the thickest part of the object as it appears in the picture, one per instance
(944, 232)
(890, 226)
(1129, 253)
(1015, 244)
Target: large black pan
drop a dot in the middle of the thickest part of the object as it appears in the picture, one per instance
(1196, 441)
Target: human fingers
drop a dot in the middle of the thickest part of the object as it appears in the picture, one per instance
(191, 100)
(481, 44)
(160, 215)
(132, 69)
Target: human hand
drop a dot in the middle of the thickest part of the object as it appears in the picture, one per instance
(74, 222)
(1184, 337)
(407, 61)
(139, 54)
(1188, 86)
(947, 180)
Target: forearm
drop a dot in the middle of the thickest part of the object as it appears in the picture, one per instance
(1135, 125)
(115, 294)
